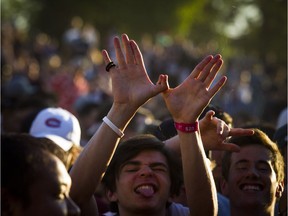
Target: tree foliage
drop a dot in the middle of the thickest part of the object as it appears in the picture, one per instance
(202, 21)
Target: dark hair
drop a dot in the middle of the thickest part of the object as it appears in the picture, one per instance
(261, 139)
(53, 148)
(131, 148)
(219, 113)
(23, 160)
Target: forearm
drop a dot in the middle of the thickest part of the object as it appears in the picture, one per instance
(200, 188)
(91, 164)
(186, 103)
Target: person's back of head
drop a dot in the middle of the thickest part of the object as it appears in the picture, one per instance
(60, 126)
(219, 113)
(31, 178)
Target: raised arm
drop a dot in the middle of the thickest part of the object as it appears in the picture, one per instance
(131, 88)
(185, 103)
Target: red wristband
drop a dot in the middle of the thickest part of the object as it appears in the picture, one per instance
(187, 128)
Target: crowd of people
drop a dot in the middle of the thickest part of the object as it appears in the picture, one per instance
(69, 72)
(101, 138)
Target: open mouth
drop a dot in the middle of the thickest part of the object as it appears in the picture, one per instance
(146, 190)
(251, 187)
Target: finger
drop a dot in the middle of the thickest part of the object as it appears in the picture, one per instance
(162, 84)
(241, 132)
(137, 53)
(106, 57)
(128, 49)
(119, 54)
(209, 115)
(207, 69)
(217, 87)
(221, 128)
(198, 69)
(227, 129)
(163, 79)
(208, 81)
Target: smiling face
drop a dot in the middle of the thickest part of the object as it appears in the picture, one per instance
(143, 184)
(252, 181)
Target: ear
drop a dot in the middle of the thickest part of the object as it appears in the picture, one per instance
(224, 187)
(112, 196)
(279, 189)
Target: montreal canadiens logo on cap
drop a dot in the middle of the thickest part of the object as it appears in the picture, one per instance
(53, 122)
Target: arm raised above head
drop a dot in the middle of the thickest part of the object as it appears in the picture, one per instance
(185, 103)
(131, 88)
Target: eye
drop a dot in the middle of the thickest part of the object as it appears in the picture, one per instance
(264, 168)
(159, 169)
(241, 167)
(130, 168)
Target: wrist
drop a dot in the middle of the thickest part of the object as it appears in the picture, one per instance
(113, 127)
(187, 127)
(120, 115)
(126, 111)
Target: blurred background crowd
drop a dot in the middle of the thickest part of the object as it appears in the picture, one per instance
(42, 66)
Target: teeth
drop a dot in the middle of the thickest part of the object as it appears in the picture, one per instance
(251, 187)
(145, 187)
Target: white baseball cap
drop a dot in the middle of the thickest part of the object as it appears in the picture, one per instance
(58, 125)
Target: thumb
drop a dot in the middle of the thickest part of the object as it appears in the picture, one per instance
(162, 84)
(209, 115)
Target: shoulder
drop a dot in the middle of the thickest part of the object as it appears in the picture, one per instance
(223, 205)
(177, 209)
(110, 214)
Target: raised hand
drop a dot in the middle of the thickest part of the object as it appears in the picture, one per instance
(215, 132)
(187, 101)
(130, 83)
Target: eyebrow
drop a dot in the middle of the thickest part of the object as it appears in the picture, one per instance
(246, 161)
(138, 163)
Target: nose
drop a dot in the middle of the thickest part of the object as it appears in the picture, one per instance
(73, 209)
(253, 172)
(146, 171)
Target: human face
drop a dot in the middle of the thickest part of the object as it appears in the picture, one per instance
(143, 184)
(252, 180)
(50, 194)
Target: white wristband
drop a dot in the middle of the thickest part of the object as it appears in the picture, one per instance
(113, 127)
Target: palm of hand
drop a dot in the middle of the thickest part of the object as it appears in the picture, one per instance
(188, 98)
(131, 83)
(187, 101)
